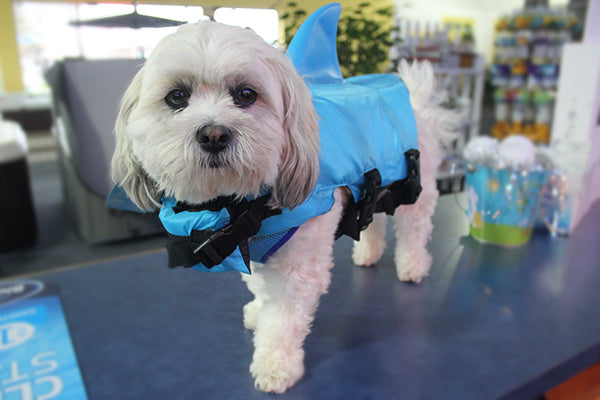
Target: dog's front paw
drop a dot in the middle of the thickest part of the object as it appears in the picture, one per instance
(251, 310)
(277, 370)
(413, 267)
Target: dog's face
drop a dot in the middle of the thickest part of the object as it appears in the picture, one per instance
(216, 111)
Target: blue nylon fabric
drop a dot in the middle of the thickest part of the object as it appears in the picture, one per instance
(313, 48)
(365, 122)
(118, 199)
(182, 224)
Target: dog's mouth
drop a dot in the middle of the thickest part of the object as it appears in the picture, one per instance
(216, 162)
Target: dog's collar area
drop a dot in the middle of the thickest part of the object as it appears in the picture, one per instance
(213, 205)
(211, 248)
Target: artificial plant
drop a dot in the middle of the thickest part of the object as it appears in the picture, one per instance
(363, 39)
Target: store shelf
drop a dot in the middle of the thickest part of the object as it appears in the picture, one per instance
(464, 86)
(475, 70)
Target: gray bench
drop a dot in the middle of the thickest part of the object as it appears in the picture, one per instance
(85, 97)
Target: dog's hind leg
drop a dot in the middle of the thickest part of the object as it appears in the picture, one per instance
(413, 227)
(295, 278)
(371, 246)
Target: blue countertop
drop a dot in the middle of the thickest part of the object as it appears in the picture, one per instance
(487, 323)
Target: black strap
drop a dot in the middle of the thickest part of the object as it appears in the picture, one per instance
(357, 216)
(212, 247)
(213, 205)
(403, 191)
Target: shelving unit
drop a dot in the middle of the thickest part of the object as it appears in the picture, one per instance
(459, 70)
(464, 88)
(460, 74)
(528, 49)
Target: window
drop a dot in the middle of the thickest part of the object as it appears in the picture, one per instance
(45, 36)
(264, 22)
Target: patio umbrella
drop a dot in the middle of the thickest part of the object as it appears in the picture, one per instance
(133, 20)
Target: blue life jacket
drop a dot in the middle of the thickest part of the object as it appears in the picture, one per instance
(366, 123)
(368, 142)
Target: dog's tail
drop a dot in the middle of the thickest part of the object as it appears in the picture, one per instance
(426, 100)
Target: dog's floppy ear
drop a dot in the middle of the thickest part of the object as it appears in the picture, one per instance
(125, 169)
(299, 167)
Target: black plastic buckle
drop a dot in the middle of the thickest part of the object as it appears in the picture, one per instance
(221, 243)
(248, 222)
(367, 203)
(413, 175)
(208, 252)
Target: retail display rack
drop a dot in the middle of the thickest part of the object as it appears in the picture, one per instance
(460, 73)
(527, 55)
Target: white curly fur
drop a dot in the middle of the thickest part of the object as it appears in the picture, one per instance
(276, 145)
(412, 224)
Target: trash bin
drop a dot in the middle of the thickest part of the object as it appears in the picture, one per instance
(17, 216)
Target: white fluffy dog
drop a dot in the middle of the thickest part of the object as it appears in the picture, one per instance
(265, 130)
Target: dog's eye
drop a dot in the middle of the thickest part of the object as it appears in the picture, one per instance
(177, 98)
(244, 97)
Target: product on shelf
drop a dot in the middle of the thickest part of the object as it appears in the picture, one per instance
(501, 114)
(528, 49)
(432, 42)
(459, 71)
(540, 130)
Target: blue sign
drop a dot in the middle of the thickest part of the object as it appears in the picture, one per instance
(37, 360)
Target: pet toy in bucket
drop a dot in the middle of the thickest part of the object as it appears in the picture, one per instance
(504, 183)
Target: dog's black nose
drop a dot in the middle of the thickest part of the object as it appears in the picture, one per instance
(213, 138)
